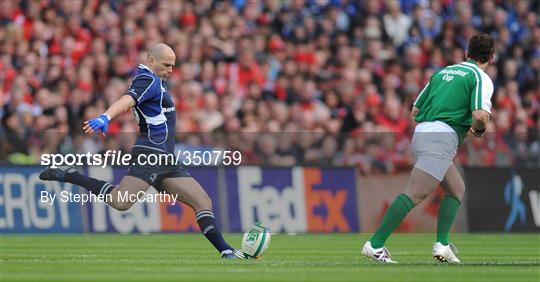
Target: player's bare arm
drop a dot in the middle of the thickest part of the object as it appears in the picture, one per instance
(480, 119)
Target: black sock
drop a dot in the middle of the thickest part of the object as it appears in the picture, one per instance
(98, 187)
(208, 226)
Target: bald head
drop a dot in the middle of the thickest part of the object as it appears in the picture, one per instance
(160, 50)
(161, 59)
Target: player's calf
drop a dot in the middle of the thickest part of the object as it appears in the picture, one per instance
(190, 192)
(209, 228)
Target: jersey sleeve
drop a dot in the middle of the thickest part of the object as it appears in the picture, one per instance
(482, 92)
(422, 97)
(140, 88)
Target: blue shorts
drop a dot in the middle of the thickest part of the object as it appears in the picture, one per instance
(153, 174)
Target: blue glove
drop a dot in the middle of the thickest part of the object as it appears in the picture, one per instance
(100, 123)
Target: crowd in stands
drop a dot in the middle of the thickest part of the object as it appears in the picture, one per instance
(326, 82)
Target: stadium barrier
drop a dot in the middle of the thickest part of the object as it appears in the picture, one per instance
(502, 199)
(294, 200)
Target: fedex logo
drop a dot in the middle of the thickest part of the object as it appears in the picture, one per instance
(278, 202)
(326, 202)
(298, 199)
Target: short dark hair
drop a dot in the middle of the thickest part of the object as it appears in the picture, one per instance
(481, 47)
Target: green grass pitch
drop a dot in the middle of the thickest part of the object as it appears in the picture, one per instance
(319, 257)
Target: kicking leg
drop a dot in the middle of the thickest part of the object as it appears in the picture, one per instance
(129, 185)
(192, 194)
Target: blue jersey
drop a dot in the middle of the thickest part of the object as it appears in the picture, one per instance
(154, 111)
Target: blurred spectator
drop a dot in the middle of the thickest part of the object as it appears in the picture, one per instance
(327, 82)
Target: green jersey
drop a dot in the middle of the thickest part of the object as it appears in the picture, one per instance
(452, 94)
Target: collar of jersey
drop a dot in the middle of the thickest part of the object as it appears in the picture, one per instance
(471, 62)
(142, 66)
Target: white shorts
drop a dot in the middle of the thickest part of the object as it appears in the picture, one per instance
(434, 145)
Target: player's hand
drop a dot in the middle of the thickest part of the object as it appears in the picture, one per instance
(477, 133)
(100, 123)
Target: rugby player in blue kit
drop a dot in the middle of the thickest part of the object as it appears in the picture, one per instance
(155, 112)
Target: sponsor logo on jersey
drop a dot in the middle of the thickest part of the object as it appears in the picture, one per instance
(166, 110)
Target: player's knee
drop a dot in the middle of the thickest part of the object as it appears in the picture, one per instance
(418, 197)
(122, 206)
(459, 193)
(204, 203)
(456, 190)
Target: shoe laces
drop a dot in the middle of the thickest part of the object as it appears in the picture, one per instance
(67, 169)
(453, 248)
(384, 254)
(239, 254)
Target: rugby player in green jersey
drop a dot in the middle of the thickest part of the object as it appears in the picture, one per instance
(456, 100)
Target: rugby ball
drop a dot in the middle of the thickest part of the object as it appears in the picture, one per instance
(256, 240)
